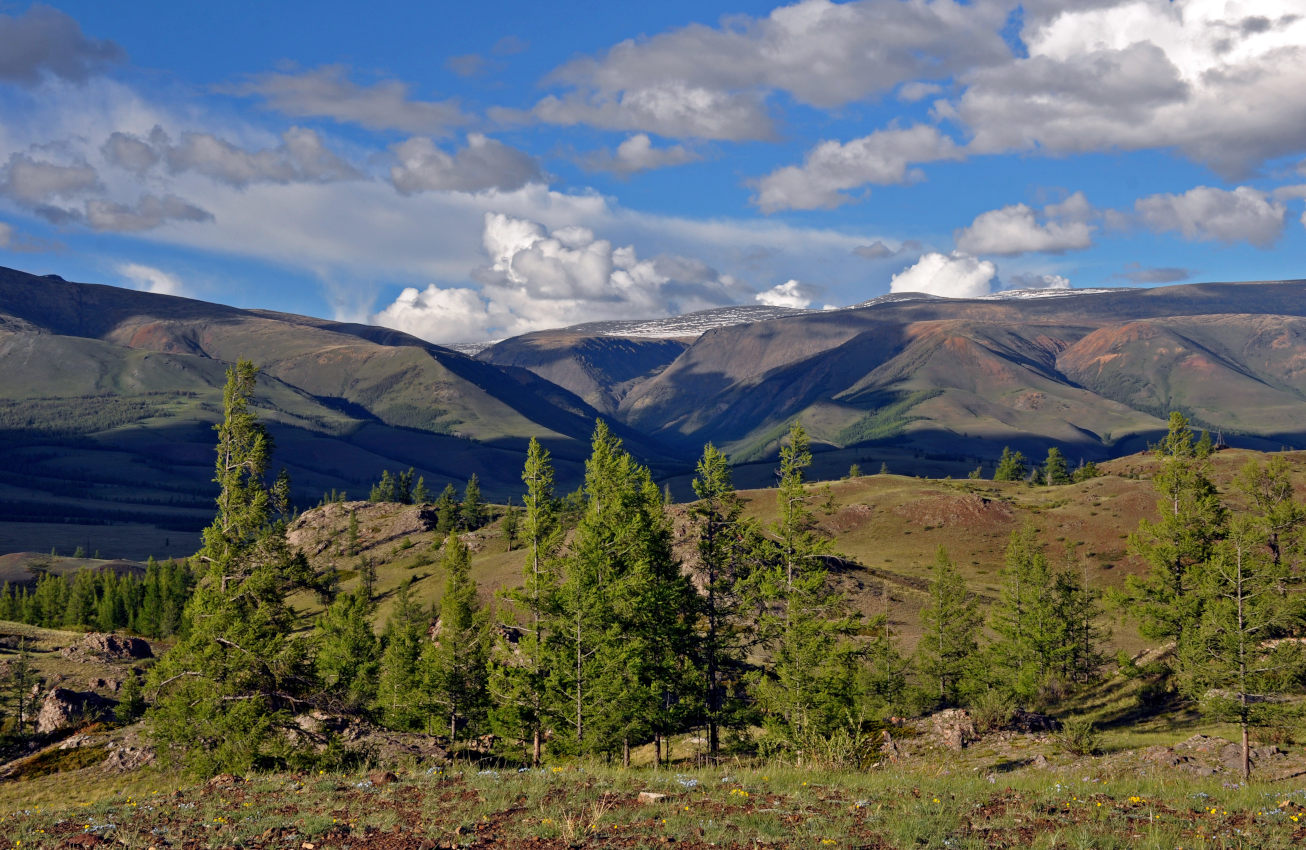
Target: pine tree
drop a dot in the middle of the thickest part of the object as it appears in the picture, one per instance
(1191, 522)
(1269, 490)
(83, 599)
(455, 664)
(1055, 470)
(404, 487)
(347, 661)
(951, 625)
(227, 689)
(471, 514)
(383, 490)
(421, 495)
(1229, 661)
(351, 535)
(1011, 466)
(520, 677)
(131, 700)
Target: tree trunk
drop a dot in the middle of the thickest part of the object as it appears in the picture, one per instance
(1247, 756)
(625, 751)
(535, 749)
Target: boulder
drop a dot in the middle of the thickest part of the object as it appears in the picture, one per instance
(63, 708)
(954, 728)
(1032, 721)
(110, 647)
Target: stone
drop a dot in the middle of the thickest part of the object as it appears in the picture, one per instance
(1032, 721)
(124, 758)
(954, 728)
(647, 797)
(63, 708)
(109, 646)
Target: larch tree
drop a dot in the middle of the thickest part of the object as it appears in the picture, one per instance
(1234, 660)
(455, 663)
(1191, 521)
(226, 691)
(520, 680)
(951, 626)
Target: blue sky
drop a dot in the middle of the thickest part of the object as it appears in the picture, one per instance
(472, 171)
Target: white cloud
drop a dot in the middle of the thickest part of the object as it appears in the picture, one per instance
(1208, 214)
(954, 275)
(149, 279)
(636, 154)
(1035, 280)
(1136, 273)
(821, 53)
(832, 168)
(1199, 75)
(538, 278)
(788, 294)
(1290, 193)
(671, 109)
(300, 157)
(483, 164)
(327, 92)
(45, 41)
(1016, 229)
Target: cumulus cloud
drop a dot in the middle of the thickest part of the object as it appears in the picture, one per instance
(1135, 74)
(1017, 229)
(636, 154)
(1034, 280)
(791, 293)
(832, 168)
(327, 92)
(954, 275)
(147, 213)
(671, 109)
(821, 53)
(149, 279)
(483, 164)
(1135, 273)
(44, 41)
(539, 278)
(1208, 214)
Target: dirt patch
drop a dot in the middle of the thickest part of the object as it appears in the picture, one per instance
(960, 512)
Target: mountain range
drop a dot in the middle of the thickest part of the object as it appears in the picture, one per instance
(108, 395)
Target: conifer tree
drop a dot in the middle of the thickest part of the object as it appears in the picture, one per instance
(351, 535)
(1230, 661)
(510, 524)
(520, 678)
(726, 544)
(810, 687)
(1191, 521)
(1269, 490)
(231, 684)
(347, 661)
(383, 490)
(1011, 466)
(471, 513)
(455, 663)
(951, 625)
(421, 495)
(446, 510)
(398, 687)
(1055, 470)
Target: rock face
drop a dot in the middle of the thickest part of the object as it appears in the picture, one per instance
(954, 728)
(110, 647)
(63, 708)
(1032, 721)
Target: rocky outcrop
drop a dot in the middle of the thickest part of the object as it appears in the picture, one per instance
(63, 709)
(108, 647)
(954, 728)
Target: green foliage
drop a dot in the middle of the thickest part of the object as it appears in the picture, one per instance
(1085, 471)
(230, 685)
(454, 664)
(511, 523)
(131, 700)
(1079, 737)
(1011, 466)
(886, 421)
(810, 687)
(398, 688)
(471, 513)
(519, 675)
(727, 551)
(951, 625)
(1231, 660)
(1055, 470)
(347, 659)
(1191, 522)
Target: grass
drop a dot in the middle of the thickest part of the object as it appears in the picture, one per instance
(738, 806)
